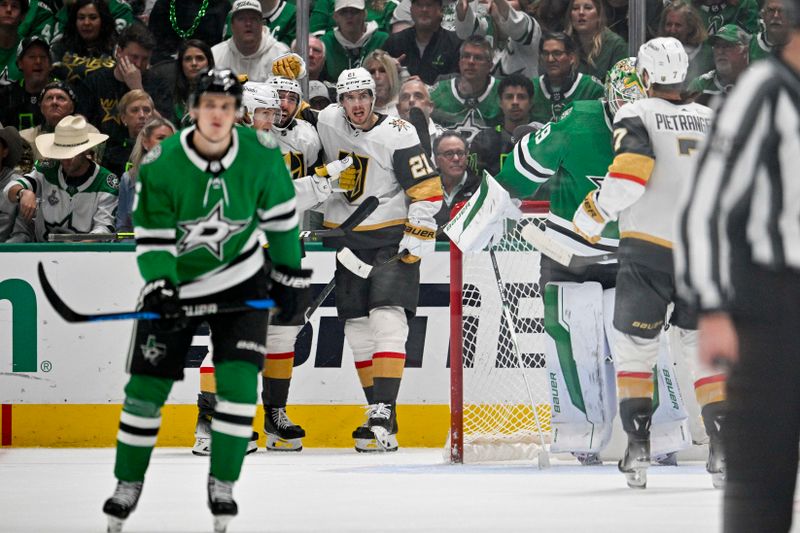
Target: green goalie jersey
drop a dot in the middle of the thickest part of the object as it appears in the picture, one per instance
(197, 222)
(573, 154)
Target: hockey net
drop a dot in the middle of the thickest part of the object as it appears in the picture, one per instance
(492, 396)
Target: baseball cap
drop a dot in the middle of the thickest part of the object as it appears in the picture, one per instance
(27, 42)
(246, 5)
(317, 89)
(341, 4)
(730, 33)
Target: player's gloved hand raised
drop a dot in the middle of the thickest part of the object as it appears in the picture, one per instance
(419, 240)
(291, 290)
(289, 66)
(161, 296)
(590, 219)
(347, 179)
(324, 174)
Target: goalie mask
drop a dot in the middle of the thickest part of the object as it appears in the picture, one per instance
(280, 83)
(662, 60)
(623, 85)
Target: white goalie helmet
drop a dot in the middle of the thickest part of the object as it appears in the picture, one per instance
(258, 95)
(664, 60)
(354, 79)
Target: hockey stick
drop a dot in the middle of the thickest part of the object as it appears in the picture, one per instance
(365, 209)
(361, 269)
(417, 119)
(560, 253)
(544, 457)
(205, 309)
(78, 237)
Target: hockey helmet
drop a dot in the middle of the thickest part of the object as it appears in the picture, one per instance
(217, 80)
(623, 85)
(354, 79)
(280, 83)
(258, 95)
(664, 60)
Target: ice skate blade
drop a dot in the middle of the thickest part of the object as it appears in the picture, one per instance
(385, 440)
(114, 524)
(221, 522)
(718, 480)
(372, 446)
(252, 447)
(277, 444)
(202, 447)
(637, 479)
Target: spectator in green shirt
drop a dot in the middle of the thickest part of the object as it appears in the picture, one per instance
(681, 20)
(775, 33)
(11, 14)
(731, 58)
(599, 48)
(348, 44)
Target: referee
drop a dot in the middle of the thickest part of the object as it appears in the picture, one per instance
(738, 257)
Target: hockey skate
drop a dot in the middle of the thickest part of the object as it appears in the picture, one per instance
(713, 419)
(635, 462)
(282, 434)
(365, 441)
(121, 504)
(380, 423)
(221, 503)
(202, 436)
(588, 459)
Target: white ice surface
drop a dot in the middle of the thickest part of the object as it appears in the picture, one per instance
(43, 490)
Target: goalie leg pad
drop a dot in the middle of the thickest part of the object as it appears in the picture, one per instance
(670, 423)
(575, 351)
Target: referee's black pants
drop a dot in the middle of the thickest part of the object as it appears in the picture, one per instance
(762, 428)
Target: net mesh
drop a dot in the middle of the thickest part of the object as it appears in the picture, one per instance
(498, 401)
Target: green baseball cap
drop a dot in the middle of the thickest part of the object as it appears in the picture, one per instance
(730, 33)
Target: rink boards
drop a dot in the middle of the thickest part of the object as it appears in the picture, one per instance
(62, 384)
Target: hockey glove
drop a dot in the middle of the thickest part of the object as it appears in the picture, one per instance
(291, 290)
(161, 296)
(333, 169)
(418, 240)
(347, 179)
(590, 219)
(289, 66)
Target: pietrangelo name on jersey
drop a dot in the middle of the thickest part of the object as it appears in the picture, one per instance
(681, 122)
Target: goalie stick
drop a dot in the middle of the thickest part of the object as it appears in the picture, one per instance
(560, 253)
(204, 309)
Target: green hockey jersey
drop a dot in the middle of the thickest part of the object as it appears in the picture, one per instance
(197, 222)
(549, 103)
(466, 114)
(573, 154)
(743, 13)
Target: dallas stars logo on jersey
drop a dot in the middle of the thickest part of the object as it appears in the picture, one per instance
(211, 231)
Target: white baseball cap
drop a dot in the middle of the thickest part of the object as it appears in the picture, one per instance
(341, 4)
(246, 5)
(317, 89)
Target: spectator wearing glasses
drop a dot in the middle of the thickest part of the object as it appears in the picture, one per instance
(730, 46)
(776, 31)
(468, 102)
(561, 83)
(491, 145)
(459, 182)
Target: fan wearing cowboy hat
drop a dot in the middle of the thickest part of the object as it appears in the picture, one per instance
(10, 153)
(77, 195)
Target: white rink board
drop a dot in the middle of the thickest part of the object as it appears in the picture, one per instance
(84, 363)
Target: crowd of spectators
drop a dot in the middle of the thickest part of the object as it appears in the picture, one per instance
(478, 69)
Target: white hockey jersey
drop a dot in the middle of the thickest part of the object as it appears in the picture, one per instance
(302, 151)
(392, 166)
(655, 146)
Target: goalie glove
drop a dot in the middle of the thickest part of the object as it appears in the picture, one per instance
(289, 65)
(291, 290)
(590, 219)
(418, 240)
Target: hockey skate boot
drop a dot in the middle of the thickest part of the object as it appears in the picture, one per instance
(365, 441)
(121, 504)
(221, 503)
(282, 434)
(380, 423)
(202, 436)
(713, 418)
(635, 414)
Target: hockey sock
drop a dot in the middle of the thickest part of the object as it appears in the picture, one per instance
(635, 385)
(277, 377)
(139, 424)
(710, 390)
(232, 426)
(387, 371)
(364, 369)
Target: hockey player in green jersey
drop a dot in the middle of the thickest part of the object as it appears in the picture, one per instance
(573, 155)
(203, 198)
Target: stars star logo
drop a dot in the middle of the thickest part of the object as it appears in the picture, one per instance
(210, 232)
(470, 126)
(153, 351)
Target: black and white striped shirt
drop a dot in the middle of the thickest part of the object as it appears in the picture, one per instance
(745, 196)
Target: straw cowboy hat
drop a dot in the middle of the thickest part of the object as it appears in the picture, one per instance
(72, 137)
(10, 137)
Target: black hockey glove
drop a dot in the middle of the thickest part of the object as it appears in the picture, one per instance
(291, 290)
(161, 296)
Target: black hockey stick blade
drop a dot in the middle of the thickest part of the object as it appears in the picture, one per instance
(317, 302)
(204, 309)
(417, 118)
(364, 209)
